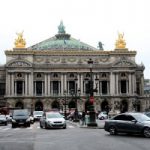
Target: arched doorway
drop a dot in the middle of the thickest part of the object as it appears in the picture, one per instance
(38, 106)
(19, 105)
(105, 106)
(55, 105)
(72, 105)
(124, 106)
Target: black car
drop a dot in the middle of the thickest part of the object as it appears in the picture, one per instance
(133, 123)
(20, 117)
(3, 120)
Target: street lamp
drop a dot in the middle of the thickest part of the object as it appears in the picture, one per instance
(65, 92)
(92, 114)
(76, 95)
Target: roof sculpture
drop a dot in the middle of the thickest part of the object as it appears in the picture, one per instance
(61, 41)
(120, 42)
(20, 42)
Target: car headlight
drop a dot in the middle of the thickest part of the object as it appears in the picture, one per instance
(28, 120)
(49, 121)
(13, 120)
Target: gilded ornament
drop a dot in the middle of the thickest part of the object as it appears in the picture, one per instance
(120, 42)
(20, 42)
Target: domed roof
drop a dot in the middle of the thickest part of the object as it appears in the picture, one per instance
(61, 41)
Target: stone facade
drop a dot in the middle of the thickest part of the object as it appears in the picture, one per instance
(37, 79)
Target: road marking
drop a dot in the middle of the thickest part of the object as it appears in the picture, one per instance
(69, 126)
(6, 129)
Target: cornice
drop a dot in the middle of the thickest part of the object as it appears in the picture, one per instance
(68, 52)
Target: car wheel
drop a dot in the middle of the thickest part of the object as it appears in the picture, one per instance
(46, 127)
(146, 132)
(112, 130)
(64, 127)
(41, 125)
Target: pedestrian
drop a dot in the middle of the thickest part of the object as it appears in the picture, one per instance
(83, 118)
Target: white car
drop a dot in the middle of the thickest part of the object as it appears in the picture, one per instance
(102, 115)
(37, 115)
(52, 120)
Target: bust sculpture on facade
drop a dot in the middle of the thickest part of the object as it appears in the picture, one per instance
(20, 42)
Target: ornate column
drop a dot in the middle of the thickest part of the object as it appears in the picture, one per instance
(62, 84)
(45, 84)
(112, 84)
(81, 83)
(130, 84)
(117, 89)
(31, 86)
(26, 84)
(48, 85)
(12, 85)
(15, 86)
(78, 84)
(65, 82)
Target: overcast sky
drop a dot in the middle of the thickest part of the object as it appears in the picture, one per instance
(90, 21)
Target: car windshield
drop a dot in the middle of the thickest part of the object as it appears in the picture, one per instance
(38, 112)
(20, 113)
(54, 115)
(2, 116)
(141, 117)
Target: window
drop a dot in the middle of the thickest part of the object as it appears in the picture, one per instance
(104, 87)
(39, 87)
(120, 117)
(55, 87)
(2, 88)
(123, 86)
(19, 87)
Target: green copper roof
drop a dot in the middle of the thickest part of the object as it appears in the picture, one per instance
(61, 41)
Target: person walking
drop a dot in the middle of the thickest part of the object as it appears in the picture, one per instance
(83, 118)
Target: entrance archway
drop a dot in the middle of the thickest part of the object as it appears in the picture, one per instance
(124, 106)
(55, 105)
(19, 105)
(39, 106)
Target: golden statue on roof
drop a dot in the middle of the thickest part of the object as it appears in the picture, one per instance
(120, 42)
(20, 42)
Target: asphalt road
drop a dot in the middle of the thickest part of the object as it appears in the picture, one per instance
(72, 138)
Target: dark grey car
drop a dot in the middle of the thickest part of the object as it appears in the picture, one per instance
(133, 123)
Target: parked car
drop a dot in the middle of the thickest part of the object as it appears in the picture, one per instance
(147, 114)
(52, 120)
(9, 118)
(133, 123)
(37, 115)
(20, 117)
(31, 119)
(71, 116)
(102, 115)
(3, 120)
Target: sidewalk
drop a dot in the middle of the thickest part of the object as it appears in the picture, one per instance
(100, 124)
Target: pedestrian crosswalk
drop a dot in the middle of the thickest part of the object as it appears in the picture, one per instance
(32, 127)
